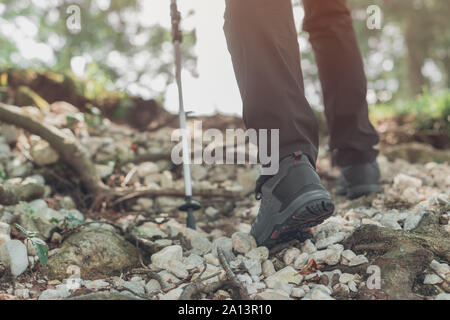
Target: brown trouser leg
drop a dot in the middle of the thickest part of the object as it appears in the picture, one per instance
(262, 40)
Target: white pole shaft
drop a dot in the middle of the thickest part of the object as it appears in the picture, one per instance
(182, 119)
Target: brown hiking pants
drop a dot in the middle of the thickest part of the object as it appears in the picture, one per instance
(262, 40)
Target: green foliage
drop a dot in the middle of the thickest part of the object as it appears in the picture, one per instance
(425, 111)
(120, 49)
(39, 244)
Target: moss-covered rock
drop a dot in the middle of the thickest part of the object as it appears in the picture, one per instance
(97, 251)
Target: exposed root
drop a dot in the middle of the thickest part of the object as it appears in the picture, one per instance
(66, 145)
(13, 194)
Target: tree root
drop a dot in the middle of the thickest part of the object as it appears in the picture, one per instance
(207, 193)
(67, 146)
(13, 194)
(402, 256)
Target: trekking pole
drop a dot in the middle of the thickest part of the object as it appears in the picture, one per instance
(189, 205)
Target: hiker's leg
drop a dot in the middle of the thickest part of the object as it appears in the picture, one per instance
(262, 40)
(341, 72)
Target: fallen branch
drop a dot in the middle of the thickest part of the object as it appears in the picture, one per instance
(13, 194)
(207, 193)
(66, 145)
(231, 276)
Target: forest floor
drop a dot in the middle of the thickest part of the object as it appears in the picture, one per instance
(134, 244)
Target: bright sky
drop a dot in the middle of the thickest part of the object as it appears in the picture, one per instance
(215, 88)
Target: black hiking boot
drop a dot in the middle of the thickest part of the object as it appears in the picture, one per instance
(293, 201)
(359, 180)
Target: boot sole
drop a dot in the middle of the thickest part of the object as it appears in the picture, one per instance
(308, 210)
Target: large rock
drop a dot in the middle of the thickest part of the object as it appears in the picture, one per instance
(13, 254)
(97, 251)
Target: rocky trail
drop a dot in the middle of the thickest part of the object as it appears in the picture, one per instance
(132, 243)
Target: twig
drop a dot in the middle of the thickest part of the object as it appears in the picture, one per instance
(231, 276)
(129, 194)
(199, 286)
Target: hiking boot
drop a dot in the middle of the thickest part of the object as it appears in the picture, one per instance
(359, 180)
(293, 200)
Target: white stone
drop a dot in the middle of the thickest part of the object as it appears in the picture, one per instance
(333, 255)
(150, 230)
(168, 278)
(13, 254)
(198, 172)
(177, 268)
(51, 294)
(287, 275)
(318, 293)
(261, 254)
(441, 268)
(309, 247)
(403, 181)
(253, 288)
(298, 293)
(253, 266)
(5, 229)
(200, 244)
(290, 255)
(352, 286)
(96, 284)
(267, 268)
(162, 258)
(135, 287)
(211, 212)
(442, 296)
(173, 294)
(166, 180)
(346, 278)
(43, 154)
(243, 242)
(4, 238)
(152, 286)
(146, 168)
(359, 259)
(226, 245)
(432, 279)
(348, 254)
(244, 278)
(104, 170)
(301, 261)
(412, 221)
(271, 295)
(193, 261)
(335, 238)
(211, 259)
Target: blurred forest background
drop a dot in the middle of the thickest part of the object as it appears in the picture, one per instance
(407, 61)
(86, 120)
